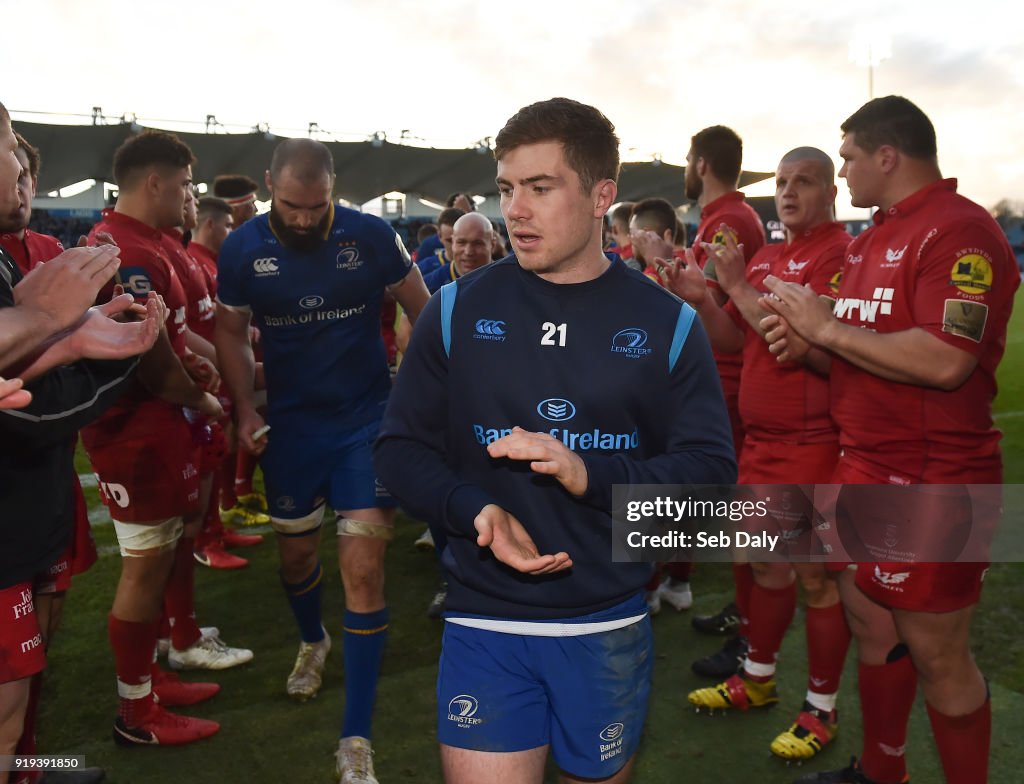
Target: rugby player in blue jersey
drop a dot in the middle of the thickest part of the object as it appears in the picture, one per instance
(518, 406)
(310, 275)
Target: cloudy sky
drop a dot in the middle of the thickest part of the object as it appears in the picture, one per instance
(452, 71)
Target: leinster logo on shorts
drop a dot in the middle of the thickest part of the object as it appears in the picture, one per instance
(555, 409)
(462, 710)
(631, 342)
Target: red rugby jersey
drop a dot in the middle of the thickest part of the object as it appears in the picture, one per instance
(208, 262)
(787, 401)
(939, 262)
(746, 228)
(199, 306)
(145, 266)
(34, 249)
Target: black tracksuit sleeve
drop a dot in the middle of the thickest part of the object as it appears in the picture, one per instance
(413, 434)
(67, 398)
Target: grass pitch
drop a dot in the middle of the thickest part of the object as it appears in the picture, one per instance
(267, 738)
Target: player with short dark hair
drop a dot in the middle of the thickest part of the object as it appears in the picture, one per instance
(311, 275)
(143, 453)
(917, 332)
(713, 165)
(537, 617)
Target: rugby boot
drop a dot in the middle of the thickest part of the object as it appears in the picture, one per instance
(308, 672)
(240, 516)
(171, 691)
(810, 733)
(160, 727)
(725, 621)
(725, 662)
(736, 692)
(354, 761)
(675, 593)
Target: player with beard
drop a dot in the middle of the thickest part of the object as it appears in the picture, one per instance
(311, 276)
(713, 165)
(46, 313)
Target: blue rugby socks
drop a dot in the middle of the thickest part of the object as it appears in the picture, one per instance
(305, 599)
(365, 636)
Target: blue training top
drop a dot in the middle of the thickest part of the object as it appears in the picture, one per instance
(318, 313)
(616, 368)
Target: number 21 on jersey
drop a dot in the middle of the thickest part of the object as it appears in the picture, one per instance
(550, 329)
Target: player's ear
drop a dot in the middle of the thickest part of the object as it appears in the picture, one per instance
(268, 181)
(604, 194)
(887, 157)
(153, 182)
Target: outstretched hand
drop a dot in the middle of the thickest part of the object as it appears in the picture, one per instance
(512, 545)
(102, 335)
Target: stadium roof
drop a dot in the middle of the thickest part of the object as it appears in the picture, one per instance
(365, 170)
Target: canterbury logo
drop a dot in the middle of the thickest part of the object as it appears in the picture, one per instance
(869, 309)
(893, 751)
(895, 255)
(490, 327)
(795, 266)
(265, 266)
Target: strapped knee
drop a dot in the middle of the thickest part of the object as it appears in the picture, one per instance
(300, 526)
(349, 527)
(135, 539)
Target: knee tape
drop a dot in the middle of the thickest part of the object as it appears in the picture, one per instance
(301, 525)
(349, 527)
(134, 538)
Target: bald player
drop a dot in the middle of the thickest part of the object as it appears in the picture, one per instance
(311, 276)
(789, 437)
